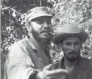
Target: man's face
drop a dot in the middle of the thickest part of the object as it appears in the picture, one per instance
(71, 47)
(42, 27)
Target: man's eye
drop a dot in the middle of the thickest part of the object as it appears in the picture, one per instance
(77, 43)
(48, 21)
(68, 43)
(40, 21)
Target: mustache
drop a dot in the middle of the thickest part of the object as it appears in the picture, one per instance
(72, 52)
(51, 33)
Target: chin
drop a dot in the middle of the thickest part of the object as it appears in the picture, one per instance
(72, 58)
(46, 37)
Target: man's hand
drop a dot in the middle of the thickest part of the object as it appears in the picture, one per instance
(47, 73)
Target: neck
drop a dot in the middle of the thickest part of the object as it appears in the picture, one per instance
(69, 66)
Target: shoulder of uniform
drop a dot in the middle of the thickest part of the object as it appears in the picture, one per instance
(85, 62)
(85, 59)
(17, 44)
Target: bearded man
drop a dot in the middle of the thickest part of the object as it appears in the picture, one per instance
(71, 39)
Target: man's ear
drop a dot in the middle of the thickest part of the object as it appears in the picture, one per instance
(28, 27)
(60, 46)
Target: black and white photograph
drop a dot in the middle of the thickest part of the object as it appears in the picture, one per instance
(46, 39)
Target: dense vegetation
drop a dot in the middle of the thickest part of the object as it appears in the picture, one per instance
(72, 11)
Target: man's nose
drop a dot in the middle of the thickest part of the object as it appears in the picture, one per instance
(72, 47)
(46, 25)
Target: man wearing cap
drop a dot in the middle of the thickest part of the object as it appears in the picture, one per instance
(29, 58)
(71, 38)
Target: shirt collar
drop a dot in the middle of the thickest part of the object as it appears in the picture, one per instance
(33, 42)
(81, 64)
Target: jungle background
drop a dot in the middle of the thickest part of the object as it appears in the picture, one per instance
(63, 11)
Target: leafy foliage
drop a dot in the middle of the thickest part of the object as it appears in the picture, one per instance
(24, 5)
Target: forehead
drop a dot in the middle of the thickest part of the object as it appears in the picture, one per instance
(42, 18)
(71, 39)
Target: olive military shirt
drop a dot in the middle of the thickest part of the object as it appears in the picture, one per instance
(25, 58)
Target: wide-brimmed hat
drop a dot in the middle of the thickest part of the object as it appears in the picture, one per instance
(37, 12)
(68, 30)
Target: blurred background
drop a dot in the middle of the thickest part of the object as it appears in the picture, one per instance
(63, 11)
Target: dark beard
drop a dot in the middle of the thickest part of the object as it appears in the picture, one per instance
(41, 40)
(72, 58)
